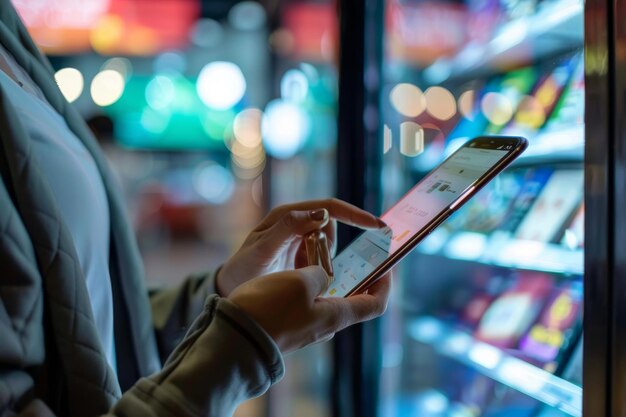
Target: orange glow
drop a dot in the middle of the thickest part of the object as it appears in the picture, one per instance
(107, 33)
(54, 29)
(133, 27)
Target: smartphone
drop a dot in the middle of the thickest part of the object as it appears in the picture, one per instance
(420, 211)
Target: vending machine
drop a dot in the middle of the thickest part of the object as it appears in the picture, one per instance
(512, 306)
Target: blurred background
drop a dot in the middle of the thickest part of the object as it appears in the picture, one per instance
(210, 112)
(213, 111)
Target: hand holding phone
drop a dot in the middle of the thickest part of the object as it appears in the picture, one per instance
(420, 211)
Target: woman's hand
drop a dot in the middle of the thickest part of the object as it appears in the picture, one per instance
(276, 244)
(287, 306)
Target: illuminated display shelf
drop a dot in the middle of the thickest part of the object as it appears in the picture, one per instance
(555, 28)
(503, 251)
(497, 364)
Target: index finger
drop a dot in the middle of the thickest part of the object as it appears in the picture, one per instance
(338, 209)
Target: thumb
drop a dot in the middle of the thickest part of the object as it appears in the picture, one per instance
(294, 223)
(316, 280)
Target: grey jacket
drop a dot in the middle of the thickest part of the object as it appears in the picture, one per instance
(51, 360)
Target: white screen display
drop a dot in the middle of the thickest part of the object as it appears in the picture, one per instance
(411, 214)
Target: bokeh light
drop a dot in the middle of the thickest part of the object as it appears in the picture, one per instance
(247, 162)
(433, 402)
(154, 121)
(206, 33)
(408, 100)
(213, 182)
(411, 139)
(171, 61)
(310, 72)
(328, 47)
(160, 92)
(71, 83)
(221, 85)
(466, 104)
(247, 127)
(218, 124)
(497, 108)
(440, 103)
(107, 87)
(247, 173)
(282, 41)
(247, 157)
(107, 34)
(285, 127)
(119, 64)
(294, 86)
(247, 15)
(434, 146)
(387, 138)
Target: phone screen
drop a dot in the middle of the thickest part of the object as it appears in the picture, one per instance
(416, 210)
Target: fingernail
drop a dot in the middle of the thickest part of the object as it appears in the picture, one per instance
(318, 215)
(381, 223)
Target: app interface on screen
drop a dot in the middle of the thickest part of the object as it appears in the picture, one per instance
(409, 215)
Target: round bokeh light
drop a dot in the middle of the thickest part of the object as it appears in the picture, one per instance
(221, 85)
(285, 127)
(408, 100)
(71, 83)
(107, 87)
(213, 182)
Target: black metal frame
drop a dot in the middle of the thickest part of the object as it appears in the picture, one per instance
(351, 165)
(357, 349)
(603, 364)
(616, 13)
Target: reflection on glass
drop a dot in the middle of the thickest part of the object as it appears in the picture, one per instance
(387, 139)
(411, 139)
(466, 104)
(408, 100)
(440, 103)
